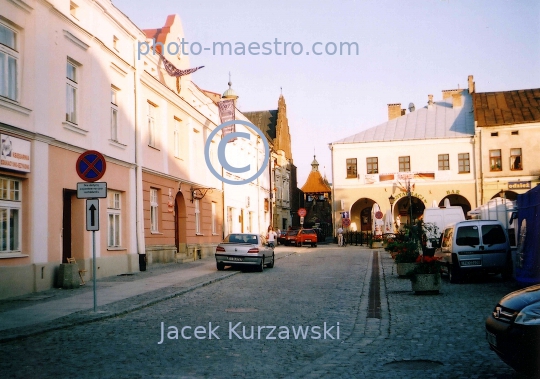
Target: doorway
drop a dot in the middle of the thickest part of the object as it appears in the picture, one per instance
(66, 224)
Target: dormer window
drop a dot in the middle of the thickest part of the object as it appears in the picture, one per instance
(73, 9)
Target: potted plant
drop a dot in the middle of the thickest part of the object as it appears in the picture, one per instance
(426, 275)
(406, 254)
(376, 241)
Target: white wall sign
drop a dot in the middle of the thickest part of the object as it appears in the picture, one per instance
(15, 153)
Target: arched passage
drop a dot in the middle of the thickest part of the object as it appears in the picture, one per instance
(456, 200)
(180, 220)
(403, 208)
(361, 214)
(509, 195)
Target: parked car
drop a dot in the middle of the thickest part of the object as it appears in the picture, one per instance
(290, 237)
(306, 237)
(475, 246)
(244, 249)
(282, 238)
(513, 330)
(320, 234)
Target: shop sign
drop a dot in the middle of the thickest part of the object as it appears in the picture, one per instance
(15, 153)
(519, 185)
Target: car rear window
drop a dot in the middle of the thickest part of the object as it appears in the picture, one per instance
(467, 236)
(243, 238)
(308, 231)
(492, 234)
(292, 232)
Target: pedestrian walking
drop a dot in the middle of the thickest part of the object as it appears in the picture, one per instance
(271, 237)
(340, 236)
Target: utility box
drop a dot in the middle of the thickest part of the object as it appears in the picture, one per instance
(68, 276)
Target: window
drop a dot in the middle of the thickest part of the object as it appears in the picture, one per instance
(197, 216)
(444, 162)
(495, 134)
(10, 215)
(229, 220)
(114, 115)
(115, 43)
(515, 132)
(113, 215)
(176, 137)
(351, 168)
(404, 164)
(463, 163)
(372, 165)
(495, 163)
(151, 125)
(71, 92)
(467, 236)
(515, 159)
(154, 227)
(214, 225)
(9, 58)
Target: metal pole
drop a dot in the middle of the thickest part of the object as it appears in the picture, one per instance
(94, 267)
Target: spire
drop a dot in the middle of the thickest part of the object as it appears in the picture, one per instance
(314, 164)
(230, 93)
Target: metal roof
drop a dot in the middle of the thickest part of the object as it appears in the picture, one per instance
(440, 120)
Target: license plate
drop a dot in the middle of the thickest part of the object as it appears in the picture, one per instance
(236, 259)
(308, 240)
(475, 262)
(491, 338)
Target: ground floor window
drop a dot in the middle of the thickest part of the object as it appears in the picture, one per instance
(10, 215)
(114, 215)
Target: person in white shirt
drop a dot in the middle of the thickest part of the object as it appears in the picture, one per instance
(271, 237)
(340, 236)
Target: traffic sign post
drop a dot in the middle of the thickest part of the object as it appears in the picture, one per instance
(91, 167)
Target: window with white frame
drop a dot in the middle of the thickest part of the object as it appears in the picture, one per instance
(72, 86)
(151, 125)
(114, 114)
(10, 215)
(154, 208)
(197, 216)
(114, 217)
(230, 212)
(176, 137)
(9, 58)
(214, 221)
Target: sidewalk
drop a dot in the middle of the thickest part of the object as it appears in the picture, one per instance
(59, 308)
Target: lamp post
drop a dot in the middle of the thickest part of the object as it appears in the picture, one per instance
(391, 199)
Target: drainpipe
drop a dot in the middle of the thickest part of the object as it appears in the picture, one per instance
(139, 216)
(331, 147)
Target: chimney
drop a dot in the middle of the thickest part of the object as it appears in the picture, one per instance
(430, 101)
(403, 112)
(448, 93)
(456, 100)
(394, 111)
(471, 84)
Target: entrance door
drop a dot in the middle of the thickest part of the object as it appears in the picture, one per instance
(66, 224)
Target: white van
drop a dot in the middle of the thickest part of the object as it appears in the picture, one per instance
(475, 246)
(441, 217)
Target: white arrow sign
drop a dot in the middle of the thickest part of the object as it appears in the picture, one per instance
(92, 214)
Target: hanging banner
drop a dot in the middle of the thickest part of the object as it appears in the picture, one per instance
(227, 113)
(15, 153)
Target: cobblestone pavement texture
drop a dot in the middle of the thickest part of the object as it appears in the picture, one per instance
(437, 336)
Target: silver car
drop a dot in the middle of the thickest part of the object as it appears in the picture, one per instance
(244, 249)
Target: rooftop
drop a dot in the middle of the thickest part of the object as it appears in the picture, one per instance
(507, 107)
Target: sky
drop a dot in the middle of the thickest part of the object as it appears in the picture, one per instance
(406, 50)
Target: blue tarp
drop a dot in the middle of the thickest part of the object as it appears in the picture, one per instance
(528, 255)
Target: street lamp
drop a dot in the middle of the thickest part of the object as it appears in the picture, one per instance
(392, 199)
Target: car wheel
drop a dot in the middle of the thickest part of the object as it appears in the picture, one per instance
(271, 264)
(220, 266)
(260, 267)
(454, 274)
(313, 245)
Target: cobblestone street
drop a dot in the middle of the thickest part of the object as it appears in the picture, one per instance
(435, 336)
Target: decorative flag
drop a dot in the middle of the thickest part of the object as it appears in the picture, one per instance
(173, 71)
(227, 113)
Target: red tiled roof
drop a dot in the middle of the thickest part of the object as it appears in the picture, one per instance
(507, 107)
(315, 184)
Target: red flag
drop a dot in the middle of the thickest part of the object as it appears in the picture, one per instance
(173, 71)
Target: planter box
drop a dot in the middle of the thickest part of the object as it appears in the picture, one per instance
(376, 245)
(426, 283)
(403, 269)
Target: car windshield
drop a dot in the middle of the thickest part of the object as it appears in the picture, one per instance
(242, 238)
(467, 236)
(492, 234)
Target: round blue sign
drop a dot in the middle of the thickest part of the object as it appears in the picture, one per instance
(91, 166)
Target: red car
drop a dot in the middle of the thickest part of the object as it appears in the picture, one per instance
(290, 237)
(306, 237)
